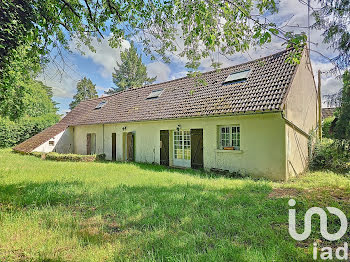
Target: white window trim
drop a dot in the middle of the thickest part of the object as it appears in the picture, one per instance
(177, 161)
(220, 147)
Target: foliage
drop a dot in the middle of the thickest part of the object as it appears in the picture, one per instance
(131, 73)
(342, 128)
(205, 26)
(12, 83)
(17, 29)
(333, 18)
(327, 126)
(25, 97)
(31, 29)
(137, 212)
(37, 99)
(332, 155)
(14, 132)
(85, 90)
(70, 157)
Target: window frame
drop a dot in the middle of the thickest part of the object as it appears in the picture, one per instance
(229, 137)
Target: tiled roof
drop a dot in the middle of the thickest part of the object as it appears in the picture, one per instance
(264, 90)
(37, 140)
(328, 112)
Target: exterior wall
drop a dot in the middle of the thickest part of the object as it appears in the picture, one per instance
(300, 109)
(63, 143)
(80, 138)
(262, 151)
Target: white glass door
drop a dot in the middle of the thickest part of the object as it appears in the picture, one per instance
(182, 148)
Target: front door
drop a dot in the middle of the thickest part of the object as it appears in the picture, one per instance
(182, 148)
(197, 148)
(114, 149)
(164, 147)
(91, 144)
(130, 147)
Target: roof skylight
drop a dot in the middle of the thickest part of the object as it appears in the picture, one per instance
(101, 104)
(238, 76)
(155, 93)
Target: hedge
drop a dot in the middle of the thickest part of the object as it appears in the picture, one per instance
(12, 133)
(69, 157)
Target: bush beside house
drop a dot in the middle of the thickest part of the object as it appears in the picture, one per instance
(69, 157)
(328, 127)
(331, 154)
(15, 132)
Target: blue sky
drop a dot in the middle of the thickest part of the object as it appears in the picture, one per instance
(99, 66)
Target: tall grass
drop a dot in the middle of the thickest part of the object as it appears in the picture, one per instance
(66, 211)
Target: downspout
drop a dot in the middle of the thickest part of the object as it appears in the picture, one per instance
(103, 138)
(290, 123)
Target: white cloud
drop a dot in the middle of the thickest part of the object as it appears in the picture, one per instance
(102, 89)
(178, 75)
(160, 70)
(105, 56)
(63, 80)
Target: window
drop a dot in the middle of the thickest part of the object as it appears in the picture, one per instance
(155, 94)
(230, 137)
(182, 145)
(101, 104)
(237, 76)
(51, 143)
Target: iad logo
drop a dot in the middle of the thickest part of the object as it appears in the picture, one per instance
(327, 252)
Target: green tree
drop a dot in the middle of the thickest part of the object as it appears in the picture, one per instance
(85, 90)
(333, 18)
(131, 73)
(204, 26)
(342, 128)
(29, 98)
(37, 99)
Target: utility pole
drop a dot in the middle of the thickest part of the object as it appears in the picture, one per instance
(308, 21)
(319, 107)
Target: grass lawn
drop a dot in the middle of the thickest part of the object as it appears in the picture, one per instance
(64, 211)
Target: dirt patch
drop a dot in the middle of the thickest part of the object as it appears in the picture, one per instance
(285, 193)
(99, 228)
(328, 193)
(14, 255)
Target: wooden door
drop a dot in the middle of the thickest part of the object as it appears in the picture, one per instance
(197, 148)
(114, 149)
(164, 147)
(88, 144)
(130, 147)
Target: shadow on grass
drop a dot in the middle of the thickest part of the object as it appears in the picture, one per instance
(192, 172)
(184, 222)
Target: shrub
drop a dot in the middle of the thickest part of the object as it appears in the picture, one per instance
(70, 157)
(326, 127)
(332, 155)
(12, 133)
(101, 157)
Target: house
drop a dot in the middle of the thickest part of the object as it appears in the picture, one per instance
(328, 112)
(253, 118)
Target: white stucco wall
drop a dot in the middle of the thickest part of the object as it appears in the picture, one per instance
(63, 143)
(301, 109)
(262, 142)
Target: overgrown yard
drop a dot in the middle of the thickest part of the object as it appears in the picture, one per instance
(64, 211)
